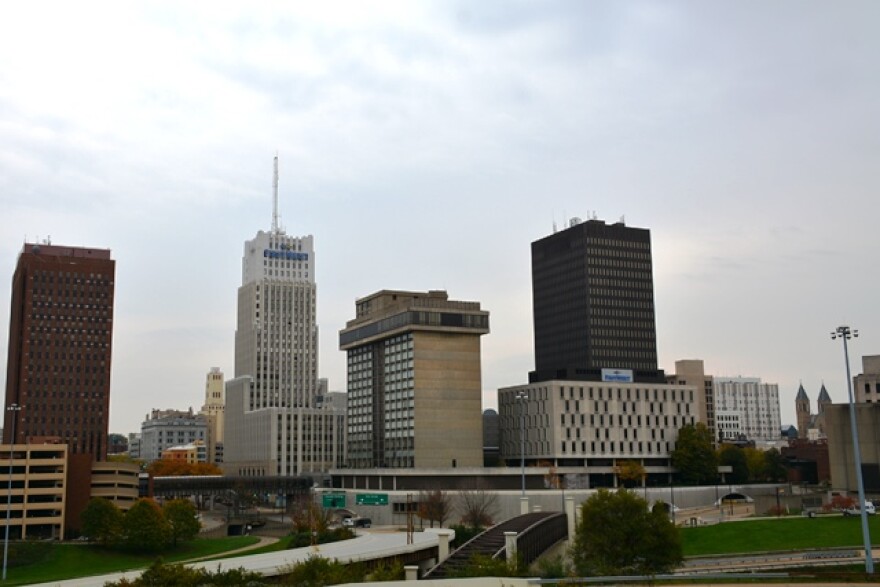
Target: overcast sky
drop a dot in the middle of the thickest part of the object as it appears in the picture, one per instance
(426, 145)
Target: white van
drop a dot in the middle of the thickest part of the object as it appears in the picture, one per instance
(855, 511)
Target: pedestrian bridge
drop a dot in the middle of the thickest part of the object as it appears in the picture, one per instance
(530, 535)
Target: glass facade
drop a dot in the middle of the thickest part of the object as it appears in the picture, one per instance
(381, 395)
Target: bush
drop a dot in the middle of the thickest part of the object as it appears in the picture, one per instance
(463, 534)
(552, 568)
(485, 566)
(181, 576)
(388, 572)
(320, 572)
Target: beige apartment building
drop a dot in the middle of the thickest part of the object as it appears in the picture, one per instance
(692, 372)
(414, 381)
(37, 498)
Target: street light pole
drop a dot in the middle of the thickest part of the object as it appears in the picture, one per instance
(521, 397)
(844, 333)
(14, 408)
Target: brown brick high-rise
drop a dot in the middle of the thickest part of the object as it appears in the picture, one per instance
(60, 343)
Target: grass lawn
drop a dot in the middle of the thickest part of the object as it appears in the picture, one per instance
(778, 534)
(67, 561)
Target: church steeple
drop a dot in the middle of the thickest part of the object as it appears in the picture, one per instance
(802, 410)
(824, 399)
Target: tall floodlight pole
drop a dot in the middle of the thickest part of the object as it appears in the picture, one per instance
(14, 408)
(844, 333)
(521, 397)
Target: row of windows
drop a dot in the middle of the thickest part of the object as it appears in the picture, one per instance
(611, 244)
(635, 279)
(628, 394)
(70, 277)
(618, 263)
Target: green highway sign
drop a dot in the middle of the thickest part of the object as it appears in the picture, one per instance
(371, 499)
(333, 500)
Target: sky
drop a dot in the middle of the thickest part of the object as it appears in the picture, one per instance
(425, 145)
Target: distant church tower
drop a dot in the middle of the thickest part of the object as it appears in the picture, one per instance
(802, 408)
(823, 402)
(824, 399)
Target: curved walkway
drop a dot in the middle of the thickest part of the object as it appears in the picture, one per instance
(364, 547)
(263, 541)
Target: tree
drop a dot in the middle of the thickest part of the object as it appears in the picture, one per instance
(755, 464)
(435, 506)
(182, 520)
(102, 522)
(630, 472)
(694, 456)
(308, 516)
(175, 468)
(477, 507)
(144, 527)
(618, 535)
(774, 466)
(839, 503)
(734, 457)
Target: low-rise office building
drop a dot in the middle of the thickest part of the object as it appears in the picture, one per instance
(163, 429)
(594, 426)
(841, 457)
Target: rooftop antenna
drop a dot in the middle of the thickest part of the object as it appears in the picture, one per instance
(275, 196)
(554, 224)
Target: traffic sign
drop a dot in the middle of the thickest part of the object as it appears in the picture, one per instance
(371, 499)
(333, 500)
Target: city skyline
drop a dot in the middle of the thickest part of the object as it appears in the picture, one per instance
(741, 136)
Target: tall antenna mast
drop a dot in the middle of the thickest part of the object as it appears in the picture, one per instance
(275, 196)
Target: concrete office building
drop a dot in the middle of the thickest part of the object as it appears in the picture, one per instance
(60, 348)
(163, 429)
(867, 383)
(414, 381)
(212, 410)
(596, 396)
(593, 304)
(587, 428)
(752, 405)
(134, 445)
(273, 423)
(692, 372)
(841, 456)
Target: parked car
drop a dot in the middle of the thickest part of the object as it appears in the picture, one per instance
(855, 511)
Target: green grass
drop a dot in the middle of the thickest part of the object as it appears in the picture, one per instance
(68, 561)
(777, 535)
